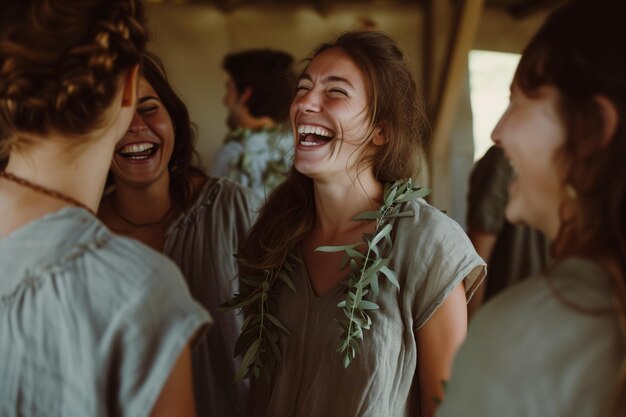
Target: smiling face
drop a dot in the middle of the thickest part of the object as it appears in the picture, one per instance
(329, 115)
(142, 155)
(531, 132)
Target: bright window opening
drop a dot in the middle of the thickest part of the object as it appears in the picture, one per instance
(490, 78)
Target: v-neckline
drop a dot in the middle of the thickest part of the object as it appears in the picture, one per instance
(309, 284)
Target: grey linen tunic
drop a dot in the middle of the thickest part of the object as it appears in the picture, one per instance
(90, 323)
(203, 241)
(431, 256)
(528, 354)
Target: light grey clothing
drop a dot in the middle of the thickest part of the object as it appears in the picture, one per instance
(203, 241)
(528, 354)
(91, 323)
(255, 159)
(431, 256)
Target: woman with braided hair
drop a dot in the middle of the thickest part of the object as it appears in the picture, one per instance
(91, 324)
(555, 345)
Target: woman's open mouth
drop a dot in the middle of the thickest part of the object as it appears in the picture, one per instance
(138, 151)
(309, 135)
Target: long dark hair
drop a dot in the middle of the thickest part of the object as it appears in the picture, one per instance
(181, 165)
(289, 213)
(581, 50)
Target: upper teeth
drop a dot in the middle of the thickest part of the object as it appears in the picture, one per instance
(137, 147)
(317, 130)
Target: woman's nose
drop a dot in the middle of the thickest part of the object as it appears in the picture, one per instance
(310, 102)
(137, 125)
(496, 132)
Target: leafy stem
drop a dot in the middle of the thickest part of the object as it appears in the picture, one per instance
(365, 269)
(261, 330)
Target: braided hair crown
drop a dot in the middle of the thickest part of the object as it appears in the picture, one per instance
(61, 62)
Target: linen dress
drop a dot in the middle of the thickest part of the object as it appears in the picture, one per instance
(91, 323)
(203, 241)
(431, 255)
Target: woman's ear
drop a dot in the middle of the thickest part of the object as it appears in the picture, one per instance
(610, 119)
(379, 137)
(131, 87)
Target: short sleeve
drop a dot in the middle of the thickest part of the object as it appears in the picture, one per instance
(146, 338)
(434, 256)
(488, 192)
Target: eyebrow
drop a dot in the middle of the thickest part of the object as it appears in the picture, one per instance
(146, 98)
(330, 78)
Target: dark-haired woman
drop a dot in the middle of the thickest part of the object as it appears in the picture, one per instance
(161, 199)
(372, 348)
(91, 324)
(555, 345)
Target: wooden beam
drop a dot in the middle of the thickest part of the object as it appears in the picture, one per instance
(455, 72)
(527, 8)
(321, 6)
(227, 5)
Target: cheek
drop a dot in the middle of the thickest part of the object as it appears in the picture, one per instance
(164, 128)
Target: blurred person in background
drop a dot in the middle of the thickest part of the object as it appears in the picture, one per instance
(512, 251)
(258, 149)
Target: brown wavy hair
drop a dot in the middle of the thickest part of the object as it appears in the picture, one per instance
(289, 212)
(181, 164)
(61, 63)
(581, 50)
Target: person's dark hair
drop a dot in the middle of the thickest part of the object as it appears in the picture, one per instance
(61, 64)
(269, 74)
(181, 165)
(289, 213)
(581, 51)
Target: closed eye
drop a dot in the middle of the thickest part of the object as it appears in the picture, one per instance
(302, 89)
(145, 110)
(338, 91)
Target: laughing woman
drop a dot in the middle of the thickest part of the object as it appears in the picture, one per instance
(162, 200)
(381, 344)
(555, 345)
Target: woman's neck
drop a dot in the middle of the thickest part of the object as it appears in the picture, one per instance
(338, 201)
(60, 172)
(77, 171)
(143, 204)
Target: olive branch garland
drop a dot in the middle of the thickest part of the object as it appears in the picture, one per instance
(260, 330)
(365, 269)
